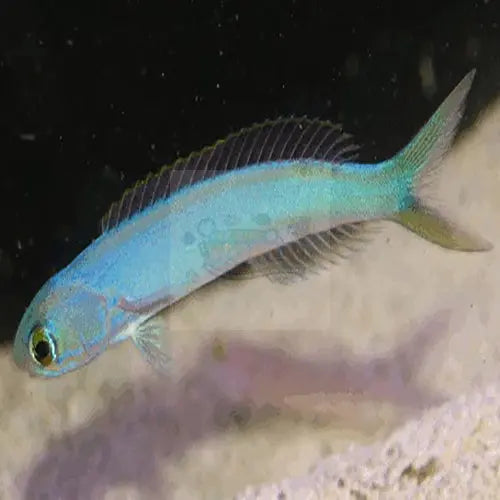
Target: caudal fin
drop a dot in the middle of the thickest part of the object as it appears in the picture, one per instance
(420, 159)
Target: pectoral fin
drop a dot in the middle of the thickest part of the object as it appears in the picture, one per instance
(149, 339)
(432, 226)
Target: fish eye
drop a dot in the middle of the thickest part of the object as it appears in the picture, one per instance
(41, 346)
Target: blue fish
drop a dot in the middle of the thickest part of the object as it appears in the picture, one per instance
(278, 199)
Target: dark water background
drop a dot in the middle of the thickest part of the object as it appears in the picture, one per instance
(95, 94)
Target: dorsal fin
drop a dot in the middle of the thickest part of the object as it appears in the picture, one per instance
(272, 140)
(295, 260)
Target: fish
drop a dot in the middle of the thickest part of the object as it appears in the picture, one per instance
(281, 199)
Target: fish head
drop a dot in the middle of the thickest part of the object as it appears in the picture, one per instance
(63, 328)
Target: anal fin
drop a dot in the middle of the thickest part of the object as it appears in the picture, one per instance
(298, 259)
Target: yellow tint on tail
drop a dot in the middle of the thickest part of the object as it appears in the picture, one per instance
(432, 226)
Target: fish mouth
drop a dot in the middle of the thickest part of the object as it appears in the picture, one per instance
(20, 353)
(19, 360)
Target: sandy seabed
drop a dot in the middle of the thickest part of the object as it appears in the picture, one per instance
(377, 378)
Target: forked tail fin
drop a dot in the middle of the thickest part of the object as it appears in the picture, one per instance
(417, 163)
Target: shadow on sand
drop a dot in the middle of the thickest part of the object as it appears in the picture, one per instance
(154, 420)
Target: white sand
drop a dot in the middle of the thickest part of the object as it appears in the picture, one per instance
(343, 359)
(452, 452)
